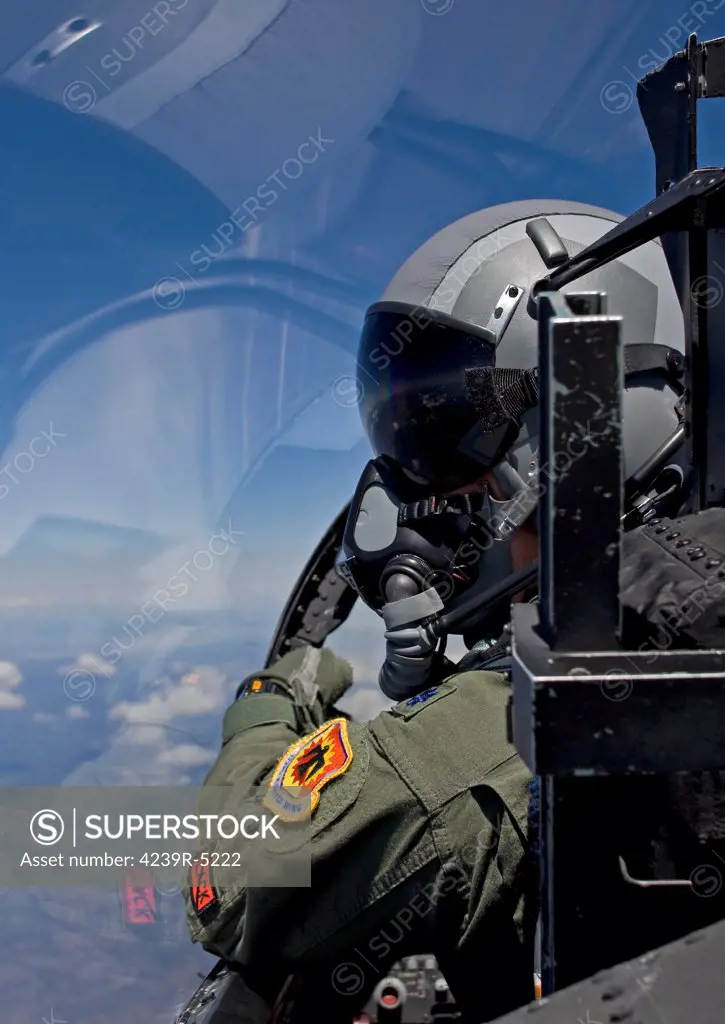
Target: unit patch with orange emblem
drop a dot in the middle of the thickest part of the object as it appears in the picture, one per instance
(307, 767)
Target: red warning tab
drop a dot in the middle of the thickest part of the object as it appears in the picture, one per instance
(139, 898)
(204, 897)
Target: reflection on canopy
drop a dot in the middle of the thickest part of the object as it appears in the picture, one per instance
(161, 424)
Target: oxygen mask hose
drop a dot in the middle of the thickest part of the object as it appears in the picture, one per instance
(412, 661)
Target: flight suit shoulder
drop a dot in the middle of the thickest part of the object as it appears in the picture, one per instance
(359, 829)
(451, 737)
(475, 686)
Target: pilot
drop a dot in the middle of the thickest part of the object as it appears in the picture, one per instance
(423, 821)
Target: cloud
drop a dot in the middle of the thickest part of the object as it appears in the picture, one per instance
(150, 747)
(186, 756)
(365, 656)
(91, 663)
(205, 691)
(75, 711)
(364, 703)
(10, 679)
(11, 701)
(141, 734)
(10, 676)
(44, 718)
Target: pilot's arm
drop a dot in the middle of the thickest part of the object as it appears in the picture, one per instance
(419, 841)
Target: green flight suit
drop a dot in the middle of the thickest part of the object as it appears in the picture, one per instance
(420, 846)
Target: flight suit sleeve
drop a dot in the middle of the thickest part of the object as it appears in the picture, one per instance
(418, 844)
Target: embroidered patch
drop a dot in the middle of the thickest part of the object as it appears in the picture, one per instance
(408, 708)
(204, 897)
(306, 769)
(420, 698)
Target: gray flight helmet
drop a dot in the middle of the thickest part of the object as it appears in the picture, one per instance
(475, 278)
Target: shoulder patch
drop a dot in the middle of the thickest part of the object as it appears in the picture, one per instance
(410, 707)
(306, 768)
(204, 897)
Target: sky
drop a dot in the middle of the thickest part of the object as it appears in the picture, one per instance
(197, 211)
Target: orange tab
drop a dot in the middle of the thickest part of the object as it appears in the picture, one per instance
(139, 898)
(307, 767)
(204, 897)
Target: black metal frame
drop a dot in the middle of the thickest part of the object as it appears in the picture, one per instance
(571, 663)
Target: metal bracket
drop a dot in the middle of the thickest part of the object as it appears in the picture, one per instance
(667, 99)
(504, 310)
(583, 704)
(653, 883)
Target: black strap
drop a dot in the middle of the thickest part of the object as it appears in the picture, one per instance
(479, 660)
(500, 396)
(652, 358)
(436, 505)
(254, 685)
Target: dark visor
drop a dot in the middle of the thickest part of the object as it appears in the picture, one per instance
(431, 396)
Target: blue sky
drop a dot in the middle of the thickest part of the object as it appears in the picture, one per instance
(256, 182)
